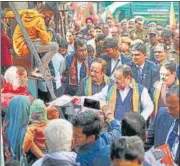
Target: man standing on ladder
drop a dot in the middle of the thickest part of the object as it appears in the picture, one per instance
(34, 23)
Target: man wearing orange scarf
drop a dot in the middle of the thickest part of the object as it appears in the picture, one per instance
(34, 23)
(77, 66)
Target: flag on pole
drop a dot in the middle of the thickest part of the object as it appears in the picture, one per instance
(172, 19)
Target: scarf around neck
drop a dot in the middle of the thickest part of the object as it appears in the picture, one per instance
(88, 85)
(112, 96)
(73, 71)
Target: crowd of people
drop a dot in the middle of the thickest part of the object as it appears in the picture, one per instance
(133, 68)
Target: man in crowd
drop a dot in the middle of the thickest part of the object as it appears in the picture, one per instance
(105, 29)
(63, 46)
(124, 28)
(36, 29)
(167, 38)
(96, 81)
(99, 44)
(110, 21)
(133, 124)
(125, 46)
(77, 67)
(89, 22)
(59, 138)
(167, 82)
(164, 129)
(112, 56)
(153, 41)
(126, 151)
(93, 146)
(152, 25)
(131, 24)
(114, 33)
(70, 40)
(160, 55)
(144, 71)
(139, 32)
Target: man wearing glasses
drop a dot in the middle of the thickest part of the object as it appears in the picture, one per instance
(145, 72)
(125, 94)
(167, 82)
(96, 81)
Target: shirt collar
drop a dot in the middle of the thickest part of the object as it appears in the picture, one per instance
(130, 86)
(141, 66)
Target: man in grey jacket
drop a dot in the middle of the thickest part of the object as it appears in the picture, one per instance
(59, 135)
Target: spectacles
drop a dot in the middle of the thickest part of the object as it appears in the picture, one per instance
(135, 54)
(158, 52)
(164, 75)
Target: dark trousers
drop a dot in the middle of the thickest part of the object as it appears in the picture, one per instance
(46, 96)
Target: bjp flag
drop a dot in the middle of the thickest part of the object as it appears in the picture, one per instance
(172, 18)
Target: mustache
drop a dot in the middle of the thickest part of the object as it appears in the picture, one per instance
(163, 79)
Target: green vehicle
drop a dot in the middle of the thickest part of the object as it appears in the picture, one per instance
(152, 11)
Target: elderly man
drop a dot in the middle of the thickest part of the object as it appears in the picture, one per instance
(139, 32)
(77, 67)
(114, 33)
(125, 94)
(112, 56)
(160, 54)
(36, 29)
(59, 138)
(164, 129)
(144, 71)
(96, 81)
(167, 82)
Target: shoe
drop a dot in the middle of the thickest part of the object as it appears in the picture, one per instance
(37, 74)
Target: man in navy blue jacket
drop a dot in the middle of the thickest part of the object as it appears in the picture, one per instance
(145, 72)
(77, 67)
(113, 57)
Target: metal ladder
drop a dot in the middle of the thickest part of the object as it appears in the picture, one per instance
(33, 50)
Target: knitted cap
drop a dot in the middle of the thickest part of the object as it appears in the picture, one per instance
(38, 112)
